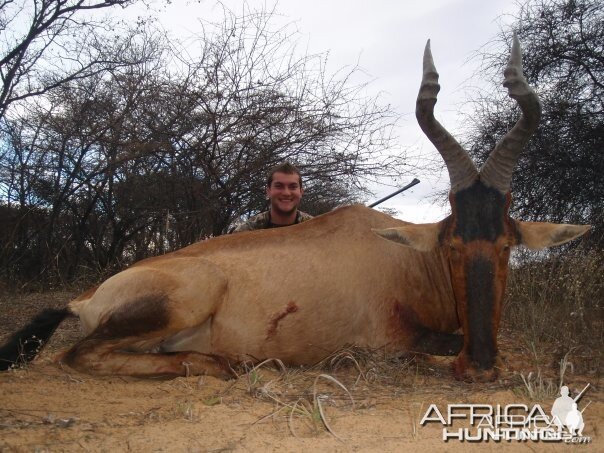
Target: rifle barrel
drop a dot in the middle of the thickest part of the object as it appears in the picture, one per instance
(408, 186)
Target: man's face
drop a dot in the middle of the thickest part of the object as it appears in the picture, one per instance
(284, 193)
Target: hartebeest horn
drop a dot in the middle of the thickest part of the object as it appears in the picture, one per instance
(462, 171)
(497, 170)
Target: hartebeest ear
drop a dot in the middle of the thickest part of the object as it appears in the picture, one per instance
(539, 235)
(422, 237)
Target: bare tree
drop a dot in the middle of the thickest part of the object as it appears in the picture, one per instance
(147, 158)
(263, 102)
(60, 164)
(46, 43)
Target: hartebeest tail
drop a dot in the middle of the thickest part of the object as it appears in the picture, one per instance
(23, 345)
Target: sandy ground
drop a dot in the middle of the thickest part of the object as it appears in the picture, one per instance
(48, 408)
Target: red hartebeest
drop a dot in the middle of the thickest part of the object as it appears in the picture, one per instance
(302, 292)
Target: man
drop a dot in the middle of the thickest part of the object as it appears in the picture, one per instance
(284, 191)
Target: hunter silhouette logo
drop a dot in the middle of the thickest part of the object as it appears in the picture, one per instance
(512, 422)
(565, 412)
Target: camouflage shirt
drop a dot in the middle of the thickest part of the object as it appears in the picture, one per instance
(263, 221)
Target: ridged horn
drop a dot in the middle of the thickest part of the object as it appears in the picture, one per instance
(497, 170)
(462, 171)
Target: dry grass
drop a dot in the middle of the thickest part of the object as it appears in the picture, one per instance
(309, 398)
(554, 309)
(301, 396)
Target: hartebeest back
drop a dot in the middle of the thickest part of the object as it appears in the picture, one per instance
(302, 292)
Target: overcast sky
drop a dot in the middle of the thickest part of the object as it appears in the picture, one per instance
(386, 38)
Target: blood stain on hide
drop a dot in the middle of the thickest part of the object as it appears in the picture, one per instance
(274, 321)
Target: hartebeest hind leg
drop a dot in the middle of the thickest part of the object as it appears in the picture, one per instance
(134, 312)
(105, 357)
